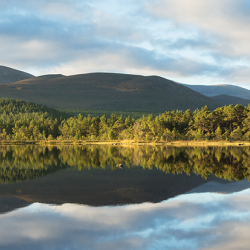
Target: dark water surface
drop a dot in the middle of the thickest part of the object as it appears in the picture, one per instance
(165, 198)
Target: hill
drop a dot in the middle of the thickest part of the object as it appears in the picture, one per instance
(227, 100)
(12, 108)
(15, 113)
(107, 91)
(108, 113)
(9, 75)
(214, 90)
(40, 79)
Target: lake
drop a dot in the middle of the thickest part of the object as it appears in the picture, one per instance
(75, 197)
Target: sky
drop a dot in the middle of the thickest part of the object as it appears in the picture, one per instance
(210, 221)
(188, 41)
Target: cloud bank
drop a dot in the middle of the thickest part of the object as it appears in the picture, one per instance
(190, 41)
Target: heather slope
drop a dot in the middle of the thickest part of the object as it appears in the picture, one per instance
(108, 91)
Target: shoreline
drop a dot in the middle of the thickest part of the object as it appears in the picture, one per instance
(126, 143)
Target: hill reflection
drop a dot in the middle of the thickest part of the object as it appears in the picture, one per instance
(193, 221)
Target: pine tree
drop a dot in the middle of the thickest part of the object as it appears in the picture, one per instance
(236, 134)
(218, 134)
(199, 135)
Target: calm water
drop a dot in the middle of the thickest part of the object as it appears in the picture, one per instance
(165, 198)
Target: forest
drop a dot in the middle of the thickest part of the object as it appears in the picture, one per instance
(23, 121)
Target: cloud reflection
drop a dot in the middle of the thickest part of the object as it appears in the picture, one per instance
(191, 221)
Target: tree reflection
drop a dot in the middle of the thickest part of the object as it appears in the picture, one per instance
(19, 163)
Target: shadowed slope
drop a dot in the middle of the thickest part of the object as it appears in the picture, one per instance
(227, 100)
(214, 90)
(9, 75)
(108, 91)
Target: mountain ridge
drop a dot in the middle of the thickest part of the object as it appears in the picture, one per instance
(108, 91)
(225, 89)
(9, 75)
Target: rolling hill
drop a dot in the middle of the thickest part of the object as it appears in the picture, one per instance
(12, 109)
(227, 100)
(9, 75)
(107, 91)
(213, 90)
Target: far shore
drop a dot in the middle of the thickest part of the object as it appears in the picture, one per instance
(127, 143)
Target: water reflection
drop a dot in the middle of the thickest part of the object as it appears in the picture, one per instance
(18, 163)
(210, 221)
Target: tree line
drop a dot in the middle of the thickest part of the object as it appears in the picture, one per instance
(20, 121)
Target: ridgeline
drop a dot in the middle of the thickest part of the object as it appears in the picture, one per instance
(107, 91)
(9, 75)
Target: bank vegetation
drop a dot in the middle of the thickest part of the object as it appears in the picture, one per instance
(22, 121)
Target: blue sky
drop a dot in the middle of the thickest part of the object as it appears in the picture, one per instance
(189, 41)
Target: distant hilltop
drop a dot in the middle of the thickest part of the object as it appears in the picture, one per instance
(223, 89)
(9, 75)
(107, 91)
(116, 92)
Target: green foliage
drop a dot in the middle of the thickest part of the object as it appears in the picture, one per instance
(218, 134)
(199, 135)
(22, 121)
(236, 134)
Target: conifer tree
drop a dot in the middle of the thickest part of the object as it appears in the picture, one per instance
(218, 134)
(236, 134)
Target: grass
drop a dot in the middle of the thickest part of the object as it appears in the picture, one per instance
(127, 143)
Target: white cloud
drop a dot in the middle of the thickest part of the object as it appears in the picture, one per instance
(193, 221)
(185, 39)
(222, 20)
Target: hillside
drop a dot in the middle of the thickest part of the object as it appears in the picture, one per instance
(213, 90)
(227, 100)
(15, 113)
(11, 108)
(107, 91)
(9, 75)
(39, 79)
